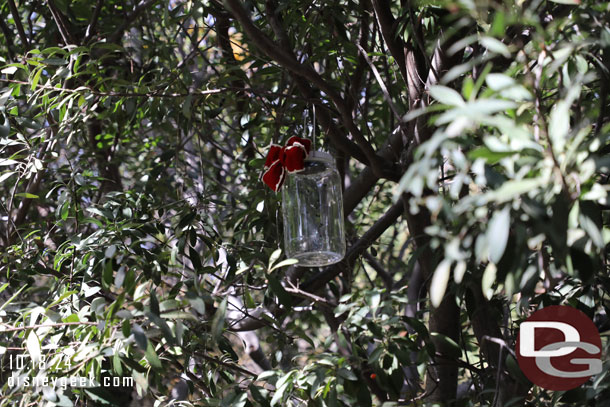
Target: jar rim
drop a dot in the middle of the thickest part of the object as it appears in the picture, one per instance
(320, 156)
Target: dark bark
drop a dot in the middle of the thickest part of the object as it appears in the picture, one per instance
(441, 381)
(485, 326)
(24, 39)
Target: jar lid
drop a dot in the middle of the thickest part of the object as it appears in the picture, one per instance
(320, 156)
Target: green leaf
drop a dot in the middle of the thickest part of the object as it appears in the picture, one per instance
(55, 61)
(458, 271)
(139, 336)
(33, 346)
(218, 321)
(27, 195)
(497, 234)
(7, 161)
(5, 127)
(119, 278)
(195, 258)
(476, 110)
(491, 157)
(592, 230)
(36, 79)
(498, 81)
(154, 303)
(512, 189)
(107, 275)
(197, 303)
(446, 95)
(277, 288)
(160, 322)
(507, 87)
(274, 257)
(186, 106)
(10, 70)
(7, 302)
(177, 315)
(438, 285)
(258, 396)
(496, 46)
(447, 345)
(61, 298)
(489, 277)
(347, 374)
(559, 125)
(284, 263)
(278, 396)
(65, 210)
(151, 356)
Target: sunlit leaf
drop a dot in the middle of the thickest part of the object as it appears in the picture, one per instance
(438, 285)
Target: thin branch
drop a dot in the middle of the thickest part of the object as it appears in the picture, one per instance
(384, 89)
(125, 94)
(383, 273)
(130, 19)
(58, 325)
(418, 34)
(225, 364)
(61, 24)
(9, 38)
(309, 296)
(200, 383)
(386, 22)
(361, 186)
(540, 117)
(93, 22)
(20, 30)
(355, 82)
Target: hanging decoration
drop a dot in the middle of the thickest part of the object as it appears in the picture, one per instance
(312, 202)
(312, 208)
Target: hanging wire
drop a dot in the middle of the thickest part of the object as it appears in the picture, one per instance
(314, 123)
(310, 125)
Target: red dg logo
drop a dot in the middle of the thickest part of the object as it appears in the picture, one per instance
(559, 348)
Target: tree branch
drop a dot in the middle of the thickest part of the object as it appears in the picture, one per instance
(20, 30)
(93, 22)
(337, 138)
(386, 93)
(361, 186)
(9, 38)
(130, 19)
(387, 25)
(381, 272)
(61, 24)
(380, 167)
(57, 325)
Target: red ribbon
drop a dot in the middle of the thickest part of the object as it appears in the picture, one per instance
(288, 159)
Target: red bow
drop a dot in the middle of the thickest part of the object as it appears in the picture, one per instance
(288, 159)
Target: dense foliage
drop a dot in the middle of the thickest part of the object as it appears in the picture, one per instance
(137, 240)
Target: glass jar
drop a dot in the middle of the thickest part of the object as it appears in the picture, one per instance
(312, 208)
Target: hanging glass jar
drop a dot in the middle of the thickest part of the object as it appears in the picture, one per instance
(312, 208)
